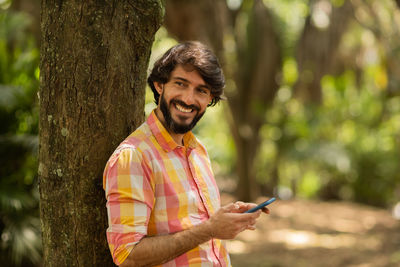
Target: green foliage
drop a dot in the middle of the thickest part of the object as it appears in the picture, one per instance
(290, 17)
(214, 134)
(20, 242)
(347, 148)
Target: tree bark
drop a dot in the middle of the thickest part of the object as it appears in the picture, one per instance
(94, 58)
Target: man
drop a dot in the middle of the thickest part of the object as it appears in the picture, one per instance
(162, 200)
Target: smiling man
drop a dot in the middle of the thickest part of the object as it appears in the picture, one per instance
(162, 200)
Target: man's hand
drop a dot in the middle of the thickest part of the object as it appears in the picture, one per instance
(246, 206)
(230, 220)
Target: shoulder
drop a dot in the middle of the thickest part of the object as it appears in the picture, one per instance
(139, 136)
(133, 147)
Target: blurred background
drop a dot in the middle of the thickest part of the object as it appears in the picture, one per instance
(312, 116)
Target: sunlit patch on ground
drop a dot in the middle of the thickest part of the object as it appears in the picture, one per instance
(306, 239)
(310, 233)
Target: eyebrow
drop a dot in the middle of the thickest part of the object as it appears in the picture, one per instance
(187, 81)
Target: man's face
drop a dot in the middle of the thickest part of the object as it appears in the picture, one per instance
(183, 100)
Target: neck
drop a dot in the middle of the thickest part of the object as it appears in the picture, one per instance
(178, 138)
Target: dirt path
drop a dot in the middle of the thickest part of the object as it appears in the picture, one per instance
(306, 233)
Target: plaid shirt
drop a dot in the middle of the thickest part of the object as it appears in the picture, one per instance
(154, 187)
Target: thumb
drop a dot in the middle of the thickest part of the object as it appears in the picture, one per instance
(230, 207)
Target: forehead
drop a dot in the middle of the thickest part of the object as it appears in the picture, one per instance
(188, 73)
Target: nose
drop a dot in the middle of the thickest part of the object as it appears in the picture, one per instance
(188, 96)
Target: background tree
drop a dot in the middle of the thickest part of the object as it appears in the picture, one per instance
(31, 8)
(317, 48)
(94, 57)
(197, 20)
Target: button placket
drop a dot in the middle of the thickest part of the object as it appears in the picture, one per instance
(198, 184)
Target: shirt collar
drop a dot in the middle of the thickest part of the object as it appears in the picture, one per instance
(164, 138)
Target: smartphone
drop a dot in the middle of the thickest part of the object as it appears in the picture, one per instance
(262, 205)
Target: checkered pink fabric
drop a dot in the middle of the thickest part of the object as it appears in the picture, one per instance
(154, 186)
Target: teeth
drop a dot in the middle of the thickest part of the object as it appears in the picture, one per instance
(182, 109)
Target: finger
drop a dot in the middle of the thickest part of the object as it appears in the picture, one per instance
(257, 213)
(245, 217)
(266, 210)
(236, 218)
(251, 205)
(252, 224)
(240, 203)
(241, 206)
(229, 208)
(251, 227)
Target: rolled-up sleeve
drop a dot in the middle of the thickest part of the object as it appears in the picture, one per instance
(130, 200)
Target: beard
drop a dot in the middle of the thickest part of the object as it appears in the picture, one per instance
(171, 124)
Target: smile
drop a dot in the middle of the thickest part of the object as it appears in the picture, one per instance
(182, 109)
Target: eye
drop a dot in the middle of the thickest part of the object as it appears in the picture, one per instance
(180, 84)
(203, 91)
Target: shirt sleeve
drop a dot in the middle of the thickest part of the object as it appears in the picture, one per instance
(130, 200)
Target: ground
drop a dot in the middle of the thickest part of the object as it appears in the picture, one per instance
(304, 233)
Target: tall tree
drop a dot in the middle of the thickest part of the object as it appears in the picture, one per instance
(318, 46)
(256, 76)
(94, 57)
(197, 20)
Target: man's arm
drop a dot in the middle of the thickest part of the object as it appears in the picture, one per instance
(226, 223)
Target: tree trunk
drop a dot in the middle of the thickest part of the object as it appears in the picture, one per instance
(197, 20)
(94, 58)
(318, 46)
(259, 63)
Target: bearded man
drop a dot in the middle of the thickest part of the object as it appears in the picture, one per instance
(162, 200)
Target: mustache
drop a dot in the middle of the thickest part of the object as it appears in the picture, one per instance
(181, 103)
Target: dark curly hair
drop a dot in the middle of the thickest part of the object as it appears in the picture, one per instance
(191, 55)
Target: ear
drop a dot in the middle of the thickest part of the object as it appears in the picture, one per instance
(210, 102)
(159, 87)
